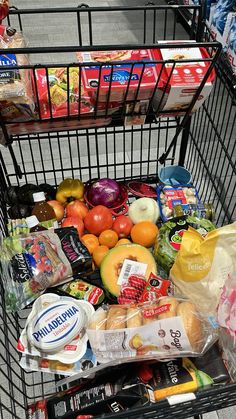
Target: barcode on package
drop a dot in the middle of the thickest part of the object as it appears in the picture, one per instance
(86, 57)
(131, 267)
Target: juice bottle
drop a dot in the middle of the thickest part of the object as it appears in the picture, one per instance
(43, 211)
(33, 224)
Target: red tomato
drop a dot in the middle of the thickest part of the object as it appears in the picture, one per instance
(74, 222)
(122, 226)
(76, 209)
(98, 219)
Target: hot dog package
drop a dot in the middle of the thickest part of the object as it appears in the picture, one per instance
(164, 328)
(203, 264)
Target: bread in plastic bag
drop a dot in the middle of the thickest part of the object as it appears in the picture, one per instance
(16, 93)
(203, 264)
(162, 329)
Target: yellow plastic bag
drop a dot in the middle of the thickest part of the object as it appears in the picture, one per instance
(203, 265)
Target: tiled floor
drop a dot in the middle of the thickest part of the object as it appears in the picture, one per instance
(45, 30)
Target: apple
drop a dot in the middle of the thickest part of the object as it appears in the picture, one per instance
(122, 226)
(58, 209)
(76, 209)
(76, 222)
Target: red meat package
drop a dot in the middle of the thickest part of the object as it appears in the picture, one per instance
(138, 290)
(60, 93)
(116, 82)
(185, 79)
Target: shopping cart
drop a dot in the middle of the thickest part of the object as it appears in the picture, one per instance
(43, 152)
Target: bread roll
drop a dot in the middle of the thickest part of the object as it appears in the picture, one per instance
(99, 320)
(134, 317)
(148, 320)
(192, 324)
(173, 307)
(116, 318)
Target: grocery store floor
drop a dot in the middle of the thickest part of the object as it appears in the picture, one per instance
(43, 31)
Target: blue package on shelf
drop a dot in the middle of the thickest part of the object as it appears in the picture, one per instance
(170, 196)
(221, 20)
(231, 51)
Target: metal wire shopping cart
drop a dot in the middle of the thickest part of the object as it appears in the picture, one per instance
(52, 148)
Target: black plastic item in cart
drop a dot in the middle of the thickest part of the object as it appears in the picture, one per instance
(47, 151)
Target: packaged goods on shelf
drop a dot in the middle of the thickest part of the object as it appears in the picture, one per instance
(231, 41)
(17, 99)
(220, 23)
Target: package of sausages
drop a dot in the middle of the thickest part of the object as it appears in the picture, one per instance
(164, 328)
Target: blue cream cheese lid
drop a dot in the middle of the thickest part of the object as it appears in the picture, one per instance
(56, 325)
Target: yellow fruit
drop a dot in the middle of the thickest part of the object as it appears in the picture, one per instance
(99, 254)
(123, 241)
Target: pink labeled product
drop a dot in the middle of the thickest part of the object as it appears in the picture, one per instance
(118, 77)
(175, 93)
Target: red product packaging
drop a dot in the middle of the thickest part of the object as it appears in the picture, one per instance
(56, 95)
(184, 81)
(155, 288)
(143, 77)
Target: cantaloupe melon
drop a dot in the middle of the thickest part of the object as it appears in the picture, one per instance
(113, 262)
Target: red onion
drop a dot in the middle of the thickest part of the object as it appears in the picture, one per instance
(104, 192)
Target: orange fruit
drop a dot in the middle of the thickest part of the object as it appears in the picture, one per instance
(144, 233)
(123, 241)
(90, 241)
(99, 254)
(108, 238)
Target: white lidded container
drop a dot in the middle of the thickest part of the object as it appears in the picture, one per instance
(54, 325)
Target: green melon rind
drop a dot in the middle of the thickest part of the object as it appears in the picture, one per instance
(115, 250)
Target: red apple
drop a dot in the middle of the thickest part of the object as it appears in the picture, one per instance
(74, 222)
(76, 209)
(58, 209)
(122, 226)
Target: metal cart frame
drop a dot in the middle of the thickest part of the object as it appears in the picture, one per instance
(204, 143)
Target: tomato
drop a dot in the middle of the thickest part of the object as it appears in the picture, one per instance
(74, 222)
(122, 226)
(98, 219)
(76, 209)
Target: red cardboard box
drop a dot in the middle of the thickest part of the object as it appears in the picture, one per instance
(144, 75)
(185, 80)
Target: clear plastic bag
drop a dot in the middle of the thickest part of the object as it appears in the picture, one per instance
(16, 92)
(162, 329)
(31, 263)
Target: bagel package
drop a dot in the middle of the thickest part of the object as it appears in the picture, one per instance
(161, 329)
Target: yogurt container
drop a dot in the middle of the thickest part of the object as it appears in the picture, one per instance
(55, 329)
